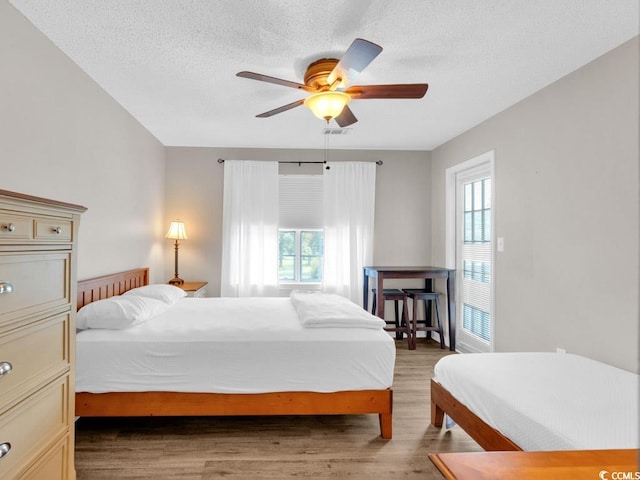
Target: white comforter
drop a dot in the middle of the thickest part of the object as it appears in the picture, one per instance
(233, 345)
(547, 401)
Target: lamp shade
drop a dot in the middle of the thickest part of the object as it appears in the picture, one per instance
(327, 105)
(177, 231)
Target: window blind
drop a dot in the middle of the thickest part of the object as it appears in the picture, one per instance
(476, 259)
(301, 201)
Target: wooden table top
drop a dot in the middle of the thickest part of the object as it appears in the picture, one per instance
(405, 269)
(192, 286)
(573, 464)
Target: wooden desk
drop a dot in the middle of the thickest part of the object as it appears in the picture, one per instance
(428, 273)
(573, 464)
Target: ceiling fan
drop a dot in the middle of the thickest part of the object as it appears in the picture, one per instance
(328, 81)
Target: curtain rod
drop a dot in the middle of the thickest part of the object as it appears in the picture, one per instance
(378, 162)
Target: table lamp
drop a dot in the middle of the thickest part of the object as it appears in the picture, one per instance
(176, 232)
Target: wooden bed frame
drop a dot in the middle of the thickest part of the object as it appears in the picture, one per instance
(486, 436)
(136, 404)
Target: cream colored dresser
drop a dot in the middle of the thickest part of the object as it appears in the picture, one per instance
(38, 239)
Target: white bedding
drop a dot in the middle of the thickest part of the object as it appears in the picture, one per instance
(547, 401)
(232, 345)
(330, 310)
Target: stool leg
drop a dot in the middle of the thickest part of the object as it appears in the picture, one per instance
(428, 321)
(397, 319)
(414, 322)
(439, 320)
(406, 324)
(373, 306)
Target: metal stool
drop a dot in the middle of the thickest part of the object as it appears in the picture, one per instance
(417, 294)
(401, 325)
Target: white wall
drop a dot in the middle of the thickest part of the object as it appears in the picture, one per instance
(194, 186)
(567, 205)
(63, 137)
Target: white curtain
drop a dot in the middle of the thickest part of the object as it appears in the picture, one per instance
(349, 205)
(250, 229)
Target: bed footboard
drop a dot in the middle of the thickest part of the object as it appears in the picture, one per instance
(487, 437)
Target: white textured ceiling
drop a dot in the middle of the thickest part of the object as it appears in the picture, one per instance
(172, 63)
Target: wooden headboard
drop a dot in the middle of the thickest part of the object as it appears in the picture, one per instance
(109, 285)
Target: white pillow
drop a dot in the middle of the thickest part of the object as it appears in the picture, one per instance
(166, 293)
(119, 312)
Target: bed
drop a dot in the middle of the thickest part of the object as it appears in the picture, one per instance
(251, 373)
(537, 401)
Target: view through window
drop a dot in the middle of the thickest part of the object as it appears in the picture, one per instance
(300, 255)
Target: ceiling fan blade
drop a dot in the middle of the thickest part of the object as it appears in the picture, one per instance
(360, 54)
(281, 109)
(406, 90)
(278, 81)
(346, 118)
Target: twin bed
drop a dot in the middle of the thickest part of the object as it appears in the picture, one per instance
(229, 356)
(538, 415)
(537, 401)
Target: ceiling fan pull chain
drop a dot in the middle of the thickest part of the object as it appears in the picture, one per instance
(326, 148)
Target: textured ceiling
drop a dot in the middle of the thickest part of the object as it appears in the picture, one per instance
(172, 63)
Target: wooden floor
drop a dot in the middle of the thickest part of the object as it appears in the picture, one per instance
(278, 447)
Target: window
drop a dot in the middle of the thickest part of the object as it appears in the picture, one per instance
(300, 239)
(477, 321)
(476, 267)
(300, 256)
(478, 271)
(477, 211)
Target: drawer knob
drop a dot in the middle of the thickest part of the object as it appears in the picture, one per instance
(5, 287)
(9, 227)
(5, 367)
(57, 230)
(4, 448)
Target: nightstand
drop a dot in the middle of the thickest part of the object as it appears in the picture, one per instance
(194, 289)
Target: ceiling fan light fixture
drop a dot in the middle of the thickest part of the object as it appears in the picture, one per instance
(327, 105)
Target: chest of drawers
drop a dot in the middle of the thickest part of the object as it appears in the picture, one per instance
(38, 240)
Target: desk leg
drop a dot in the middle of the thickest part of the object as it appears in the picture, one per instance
(365, 292)
(380, 303)
(451, 311)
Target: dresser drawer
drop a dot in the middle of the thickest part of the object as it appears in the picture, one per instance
(19, 228)
(15, 227)
(39, 282)
(52, 466)
(30, 426)
(31, 356)
(52, 230)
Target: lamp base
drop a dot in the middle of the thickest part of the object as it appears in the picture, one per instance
(176, 281)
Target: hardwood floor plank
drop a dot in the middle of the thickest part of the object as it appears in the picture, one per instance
(341, 446)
